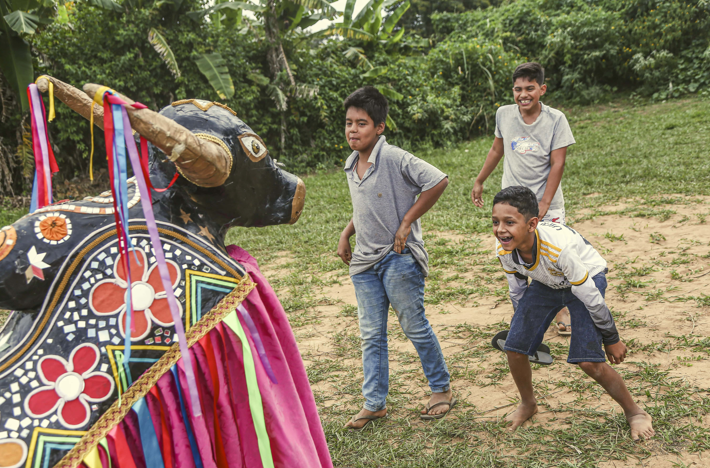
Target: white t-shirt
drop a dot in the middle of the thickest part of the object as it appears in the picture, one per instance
(562, 258)
(528, 147)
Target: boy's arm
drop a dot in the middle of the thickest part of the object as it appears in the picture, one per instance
(584, 288)
(494, 156)
(344, 250)
(426, 200)
(557, 167)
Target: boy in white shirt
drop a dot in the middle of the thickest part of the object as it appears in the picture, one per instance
(533, 138)
(565, 271)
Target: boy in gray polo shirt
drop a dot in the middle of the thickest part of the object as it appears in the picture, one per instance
(389, 263)
(533, 138)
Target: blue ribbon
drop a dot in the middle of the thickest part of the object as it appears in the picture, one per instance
(149, 439)
(120, 185)
(186, 422)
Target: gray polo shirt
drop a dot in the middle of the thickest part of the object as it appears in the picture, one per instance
(528, 148)
(388, 190)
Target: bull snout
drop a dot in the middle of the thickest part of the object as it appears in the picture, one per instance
(299, 198)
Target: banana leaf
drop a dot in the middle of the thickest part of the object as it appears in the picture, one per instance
(214, 67)
(163, 49)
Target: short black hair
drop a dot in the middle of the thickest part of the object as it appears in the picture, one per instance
(369, 99)
(531, 71)
(519, 197)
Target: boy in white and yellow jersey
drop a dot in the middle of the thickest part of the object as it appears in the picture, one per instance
(565, 271)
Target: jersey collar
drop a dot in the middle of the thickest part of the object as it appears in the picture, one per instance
(536, 252)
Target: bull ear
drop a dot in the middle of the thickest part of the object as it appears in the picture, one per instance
(203, 162)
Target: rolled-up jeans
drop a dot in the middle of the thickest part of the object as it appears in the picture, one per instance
(397, 279)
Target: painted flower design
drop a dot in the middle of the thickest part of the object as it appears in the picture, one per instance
(150, 303)
(70, 387)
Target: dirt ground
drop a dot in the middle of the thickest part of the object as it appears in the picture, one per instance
(657, 261)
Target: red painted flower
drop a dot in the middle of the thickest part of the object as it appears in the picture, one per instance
(70, 387)
(150, 303)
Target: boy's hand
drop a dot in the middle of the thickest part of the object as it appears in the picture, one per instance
(344, 250)
(477, 194)
(400, 238)
(616, 353)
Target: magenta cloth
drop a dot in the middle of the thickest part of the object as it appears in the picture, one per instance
(292, 420)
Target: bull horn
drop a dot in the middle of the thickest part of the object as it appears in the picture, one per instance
(72, 97)
(202, 162)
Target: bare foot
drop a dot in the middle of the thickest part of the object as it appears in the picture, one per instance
(443, 397)
(641, 425)
(365, 414)
(521, 414)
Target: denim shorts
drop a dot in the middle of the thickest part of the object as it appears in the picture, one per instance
(536, 310)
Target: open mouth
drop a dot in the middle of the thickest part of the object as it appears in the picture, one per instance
(505, 240)
(525, 102)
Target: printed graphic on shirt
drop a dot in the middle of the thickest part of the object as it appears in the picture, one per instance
(524, 145)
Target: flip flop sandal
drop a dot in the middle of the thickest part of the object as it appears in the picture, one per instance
(541, 356)
(430, 417)
(567, 331)
(369, 420)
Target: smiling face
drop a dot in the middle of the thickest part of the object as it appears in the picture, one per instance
(512, 229)
(360, 130)
(527, 94)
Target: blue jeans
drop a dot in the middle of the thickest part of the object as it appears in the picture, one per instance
(397, 279)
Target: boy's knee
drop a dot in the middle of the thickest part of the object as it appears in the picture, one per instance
(592, 369)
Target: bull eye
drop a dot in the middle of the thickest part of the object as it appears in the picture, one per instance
(253, 146)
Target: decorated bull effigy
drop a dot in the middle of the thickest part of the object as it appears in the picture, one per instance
(110, 296)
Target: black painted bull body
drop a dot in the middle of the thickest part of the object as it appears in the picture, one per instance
(61, 348)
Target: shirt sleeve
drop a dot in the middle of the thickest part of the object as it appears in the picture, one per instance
(497, 131)
(584, 288)
(420, 173)
(517, 284)
(562, 136)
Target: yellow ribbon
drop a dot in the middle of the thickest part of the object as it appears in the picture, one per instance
(98, 99)
(92, 459)
(51, 96)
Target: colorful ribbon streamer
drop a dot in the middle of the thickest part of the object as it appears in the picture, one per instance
(255, 403)
(45, 164)
(257, 343)
(158, 250)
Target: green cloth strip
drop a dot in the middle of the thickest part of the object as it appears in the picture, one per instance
(255, 404)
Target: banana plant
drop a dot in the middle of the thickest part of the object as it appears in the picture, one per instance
(368, 24)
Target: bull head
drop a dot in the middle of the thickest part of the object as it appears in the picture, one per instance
(226, 168)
